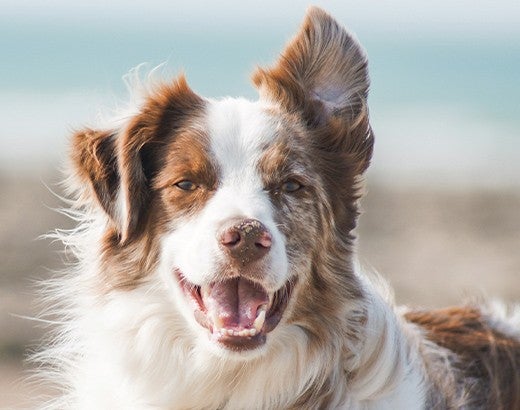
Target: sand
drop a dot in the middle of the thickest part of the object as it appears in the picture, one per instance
(435, 246)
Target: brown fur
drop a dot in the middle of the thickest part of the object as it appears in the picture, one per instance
(141, 147)
(94, 158)
(130, 157)
(487, 358)
(187, 158)
(321, 56)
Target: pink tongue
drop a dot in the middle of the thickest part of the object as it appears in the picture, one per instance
(234, 303)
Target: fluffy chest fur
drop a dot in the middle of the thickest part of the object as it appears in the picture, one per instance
(216, 258)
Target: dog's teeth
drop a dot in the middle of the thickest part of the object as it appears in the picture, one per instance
(238, 333)
(217, 322)
(260, 318)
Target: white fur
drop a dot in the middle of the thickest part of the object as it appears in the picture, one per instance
(503, 318)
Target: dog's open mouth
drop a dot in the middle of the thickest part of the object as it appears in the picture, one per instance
(237, 312)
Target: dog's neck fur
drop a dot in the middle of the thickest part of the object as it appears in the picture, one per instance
(161, 367)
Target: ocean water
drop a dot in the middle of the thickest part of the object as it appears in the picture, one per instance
(445, 109)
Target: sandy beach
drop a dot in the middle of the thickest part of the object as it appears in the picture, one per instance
(436, 247)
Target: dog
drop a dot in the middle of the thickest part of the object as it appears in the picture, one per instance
(216, 264)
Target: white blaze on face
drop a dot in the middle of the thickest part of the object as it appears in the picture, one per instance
(238, 130)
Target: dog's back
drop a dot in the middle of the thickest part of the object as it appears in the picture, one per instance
(480, 367)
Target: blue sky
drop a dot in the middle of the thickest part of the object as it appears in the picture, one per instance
(444, 101)
(483, 17)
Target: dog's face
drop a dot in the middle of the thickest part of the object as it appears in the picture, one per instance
(243, 204)
(243, 209)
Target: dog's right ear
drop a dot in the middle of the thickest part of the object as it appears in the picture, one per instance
(94, 160)
(114, 168)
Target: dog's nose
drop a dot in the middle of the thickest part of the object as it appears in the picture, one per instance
(245, 240)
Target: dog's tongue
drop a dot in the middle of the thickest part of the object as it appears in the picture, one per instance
(234, 303)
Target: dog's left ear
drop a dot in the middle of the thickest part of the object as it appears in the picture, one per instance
(322, 75)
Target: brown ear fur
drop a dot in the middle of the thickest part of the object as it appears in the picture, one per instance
(123, 162)
(322, 75)
(95, 161)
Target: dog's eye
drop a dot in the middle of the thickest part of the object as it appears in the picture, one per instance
(291, 186)
(186, 185)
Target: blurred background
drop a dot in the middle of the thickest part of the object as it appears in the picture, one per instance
(442, 215)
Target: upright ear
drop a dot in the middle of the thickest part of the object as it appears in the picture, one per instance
(114, 168)
(322, 74)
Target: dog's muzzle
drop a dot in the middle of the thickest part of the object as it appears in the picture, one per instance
(236, 308)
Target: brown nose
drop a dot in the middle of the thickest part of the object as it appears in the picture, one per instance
(245, 240)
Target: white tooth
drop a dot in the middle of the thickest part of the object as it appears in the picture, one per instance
(217, 322)
(260, 319)
(252, 332)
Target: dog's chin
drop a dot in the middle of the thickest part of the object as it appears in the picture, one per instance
(237, 313)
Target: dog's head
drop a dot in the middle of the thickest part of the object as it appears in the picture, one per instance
(245, 210)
